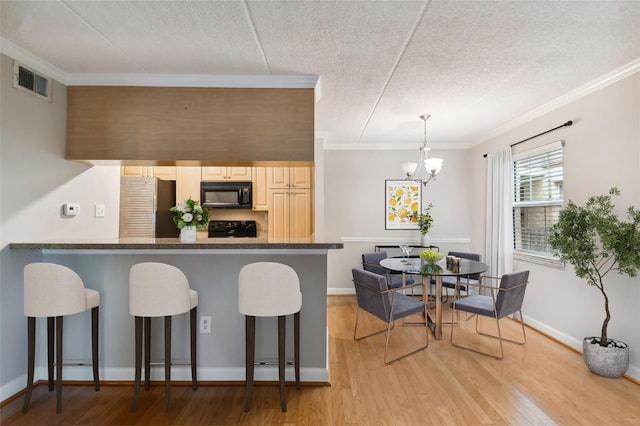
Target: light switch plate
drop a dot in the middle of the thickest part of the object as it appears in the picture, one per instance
(100, 210)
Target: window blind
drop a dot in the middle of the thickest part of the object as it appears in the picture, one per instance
(538, 197)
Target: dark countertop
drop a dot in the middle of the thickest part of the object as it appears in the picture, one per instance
(175, 244)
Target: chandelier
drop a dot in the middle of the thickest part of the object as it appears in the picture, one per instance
(431, 165)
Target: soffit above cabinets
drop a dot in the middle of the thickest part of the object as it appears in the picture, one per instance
(189, 126)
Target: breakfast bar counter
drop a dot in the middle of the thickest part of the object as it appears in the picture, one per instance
(211, 266)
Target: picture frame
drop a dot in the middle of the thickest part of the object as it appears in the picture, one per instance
(403, 200)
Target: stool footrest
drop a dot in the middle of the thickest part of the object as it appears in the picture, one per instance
(272, 363)
(161, 364)
(76, 363)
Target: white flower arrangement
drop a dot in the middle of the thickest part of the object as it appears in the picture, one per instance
(190, 213)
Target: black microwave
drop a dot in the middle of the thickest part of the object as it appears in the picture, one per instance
(225, 195)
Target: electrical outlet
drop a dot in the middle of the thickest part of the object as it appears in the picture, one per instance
(205, 324)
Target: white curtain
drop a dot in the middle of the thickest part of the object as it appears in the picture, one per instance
(499, 237)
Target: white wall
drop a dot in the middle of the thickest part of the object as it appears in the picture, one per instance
(355, 205)
(602, 150)
(35, 181)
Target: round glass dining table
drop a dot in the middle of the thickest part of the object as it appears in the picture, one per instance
(417, 266)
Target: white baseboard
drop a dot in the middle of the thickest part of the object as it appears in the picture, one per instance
(633, 371)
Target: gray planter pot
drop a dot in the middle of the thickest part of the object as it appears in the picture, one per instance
(604, 360)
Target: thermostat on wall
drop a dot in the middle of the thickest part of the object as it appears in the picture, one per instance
(70, 209)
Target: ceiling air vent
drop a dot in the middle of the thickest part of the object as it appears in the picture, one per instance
(30, 81)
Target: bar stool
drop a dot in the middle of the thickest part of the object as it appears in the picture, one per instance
(160, 290)
(268, 289)
(53, 291)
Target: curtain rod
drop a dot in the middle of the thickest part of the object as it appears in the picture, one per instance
(568, 123)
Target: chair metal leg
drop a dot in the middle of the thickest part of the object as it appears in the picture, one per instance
(296, 347)
(31, 356)
(95, 316)
(518, 342)
(193, 325)
(355, 329)
(282, 334)
(499, 337)
(147, 352)
(250, 345)
(167, 363)
(59, 364)
(51, 325)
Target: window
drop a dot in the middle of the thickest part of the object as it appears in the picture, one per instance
(537, 198)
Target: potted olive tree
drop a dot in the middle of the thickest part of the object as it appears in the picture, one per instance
(596, 242)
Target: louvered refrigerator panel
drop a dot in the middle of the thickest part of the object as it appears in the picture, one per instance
(144, 207)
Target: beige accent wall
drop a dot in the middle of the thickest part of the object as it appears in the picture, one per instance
(213, 126)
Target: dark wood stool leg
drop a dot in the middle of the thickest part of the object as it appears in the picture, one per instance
(167, 362)
(194, 334)
(51, 325)
(147, 352)
(31, 357)
(94, 346)
(250, 346)
(59, 364)
(296, 347)
(138, 367)
(282, 333)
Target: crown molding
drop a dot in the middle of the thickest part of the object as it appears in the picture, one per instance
(195, 80)
(594, 85)
(283, 81)
(369, 147)
(32, 61)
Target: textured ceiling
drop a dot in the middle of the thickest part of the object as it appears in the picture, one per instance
(475, 66)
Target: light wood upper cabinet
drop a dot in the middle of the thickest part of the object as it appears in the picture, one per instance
(289, 177)
(188, 183)
(162, 172)
(226, 173)
(260, 189)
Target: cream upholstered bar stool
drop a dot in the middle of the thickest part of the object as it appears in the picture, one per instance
(269, 289)
(53, 291)
(160, 290)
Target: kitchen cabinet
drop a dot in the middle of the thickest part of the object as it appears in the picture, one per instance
(289, 202)
(289, 213)
(289, 177)
(226, 173)
(188, 183)
(260, 189)
(162, 172)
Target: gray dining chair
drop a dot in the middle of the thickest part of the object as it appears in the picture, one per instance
(504, 300)
(371, 263)
(388, 305)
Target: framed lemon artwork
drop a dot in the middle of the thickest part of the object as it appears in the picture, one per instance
(403, 199)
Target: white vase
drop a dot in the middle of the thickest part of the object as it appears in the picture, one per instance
(425, 241)
(188, 234)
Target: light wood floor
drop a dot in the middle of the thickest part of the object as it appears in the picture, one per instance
(540, 383)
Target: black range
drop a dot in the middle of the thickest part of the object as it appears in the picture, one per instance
(232, 229)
